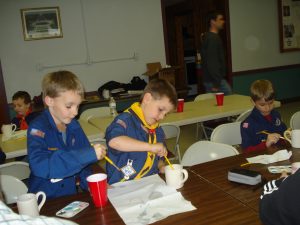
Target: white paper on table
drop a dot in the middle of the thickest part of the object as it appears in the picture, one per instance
(266, 159)
(147, 200)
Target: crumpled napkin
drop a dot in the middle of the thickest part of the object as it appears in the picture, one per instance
(147, 200)
(266, 159)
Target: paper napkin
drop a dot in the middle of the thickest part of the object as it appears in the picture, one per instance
(266, 159)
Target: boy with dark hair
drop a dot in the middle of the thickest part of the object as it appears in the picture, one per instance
(263, 127)
(134, 139)
(22, 105)
(59, 151)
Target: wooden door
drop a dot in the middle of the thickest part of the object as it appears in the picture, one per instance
(4, 112)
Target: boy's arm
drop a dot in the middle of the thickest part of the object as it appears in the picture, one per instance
(128, 144)
(56, 163)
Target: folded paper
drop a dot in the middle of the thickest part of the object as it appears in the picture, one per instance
(276, 157)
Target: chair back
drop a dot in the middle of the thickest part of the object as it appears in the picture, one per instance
(12, 188)
(86, 115)
(227, 133)
(16, 169)
(295, 121)
(172, 132)
(205, 151)
(204, 97)
(243, 116)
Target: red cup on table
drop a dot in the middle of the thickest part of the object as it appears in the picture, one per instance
(180, 105)
(98, 188)
(220, 98)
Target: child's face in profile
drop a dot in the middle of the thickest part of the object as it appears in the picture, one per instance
(265, 107)
(155, 109)
(64, 107)
(20, 106)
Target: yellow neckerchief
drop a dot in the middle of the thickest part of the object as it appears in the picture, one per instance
(136, 110)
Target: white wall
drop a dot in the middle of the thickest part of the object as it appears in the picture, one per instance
(114, 29)
(255, 36)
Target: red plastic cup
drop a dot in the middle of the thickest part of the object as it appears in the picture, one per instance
(220, 98)
(180, 105)
(98, 188)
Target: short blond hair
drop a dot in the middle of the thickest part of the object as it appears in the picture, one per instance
(262, 89)
(160, 88)
(57, 82)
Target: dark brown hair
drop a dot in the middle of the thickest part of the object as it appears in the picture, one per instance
(57, 82)
(22, 95)
(159, 88)
(262, 89)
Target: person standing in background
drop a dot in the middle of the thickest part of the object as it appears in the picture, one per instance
(213, 56)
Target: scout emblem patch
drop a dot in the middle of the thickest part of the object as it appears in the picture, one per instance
(128, 170)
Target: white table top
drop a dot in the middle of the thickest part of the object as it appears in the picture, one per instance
(195, 112)
(18, 147)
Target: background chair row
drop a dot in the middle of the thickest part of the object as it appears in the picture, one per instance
(12, 176)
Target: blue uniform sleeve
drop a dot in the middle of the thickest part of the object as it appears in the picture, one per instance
(51, 163)
(248, 135)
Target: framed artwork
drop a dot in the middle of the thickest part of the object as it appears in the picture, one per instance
(289, 25)
(41, 23)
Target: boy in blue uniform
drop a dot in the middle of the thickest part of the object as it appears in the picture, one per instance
(263, 127)
(134, 139)
(59, 151)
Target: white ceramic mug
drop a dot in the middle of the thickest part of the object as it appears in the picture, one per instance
(27, 203)
(177, 176)
(293, 137)
(8, 129)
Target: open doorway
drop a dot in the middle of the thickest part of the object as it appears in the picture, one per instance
(184, 24)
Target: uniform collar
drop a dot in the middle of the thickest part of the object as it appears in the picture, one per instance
(71, 125)
(258, 114)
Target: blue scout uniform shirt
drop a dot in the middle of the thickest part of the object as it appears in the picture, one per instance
(127, 124)
(51, 159)
(255, 123)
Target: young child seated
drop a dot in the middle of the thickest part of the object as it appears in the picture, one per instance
(263, 127)
(59, 151)
(134, 139)
(22, 105)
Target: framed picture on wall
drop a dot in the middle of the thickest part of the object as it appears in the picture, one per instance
(41, 23)
(289, 25)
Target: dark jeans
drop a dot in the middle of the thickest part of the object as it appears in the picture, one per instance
(224, 87)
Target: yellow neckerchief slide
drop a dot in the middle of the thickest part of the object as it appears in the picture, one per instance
(136, 110)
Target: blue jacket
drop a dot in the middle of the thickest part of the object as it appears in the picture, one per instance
(255, 123)
(129, 125)
(50, 158)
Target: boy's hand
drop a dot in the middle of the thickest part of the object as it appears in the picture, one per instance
(159, 149)
(272, 139)
(100, 151)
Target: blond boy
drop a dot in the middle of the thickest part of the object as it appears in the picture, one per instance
(59, 151)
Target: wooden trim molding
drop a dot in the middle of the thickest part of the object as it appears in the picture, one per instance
(262, 70)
